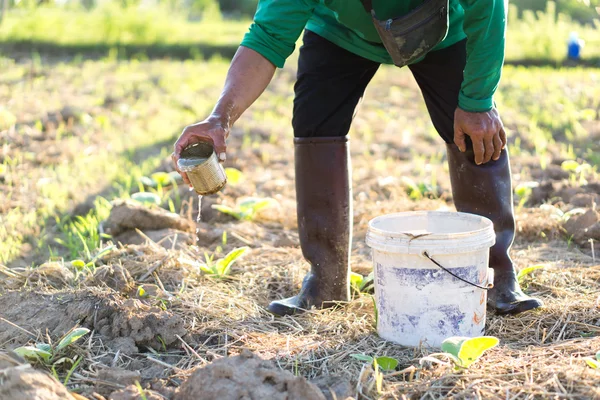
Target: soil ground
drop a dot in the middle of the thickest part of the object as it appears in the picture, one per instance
(75, 131)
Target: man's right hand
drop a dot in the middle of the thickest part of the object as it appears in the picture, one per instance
(210, 130)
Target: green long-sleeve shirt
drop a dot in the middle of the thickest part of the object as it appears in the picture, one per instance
(278, 24)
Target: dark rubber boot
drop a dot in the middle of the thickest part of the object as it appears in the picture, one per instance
(486, 190)
(323, 196)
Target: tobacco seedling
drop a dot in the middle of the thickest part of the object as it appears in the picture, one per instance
(161, 179)
(385, 363)
(222, 267)
(147, 198)
(464, 351)
(234, 176)
(417, 191)
(574, 169)
(362, 284)
(247, 209)
(53, 356)
(528, 270)
(593, 363)
(81, 265)
(524, 191)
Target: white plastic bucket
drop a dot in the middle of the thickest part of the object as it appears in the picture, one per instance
(418, 302)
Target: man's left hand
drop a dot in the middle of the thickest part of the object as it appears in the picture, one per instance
(485, 130)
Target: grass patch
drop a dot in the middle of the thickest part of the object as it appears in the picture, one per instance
(536, 38)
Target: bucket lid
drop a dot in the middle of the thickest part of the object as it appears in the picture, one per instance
(436, 232)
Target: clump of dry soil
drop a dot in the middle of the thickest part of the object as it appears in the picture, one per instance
(157, 224)
(127, 324)
(246, 377)
(22, 382)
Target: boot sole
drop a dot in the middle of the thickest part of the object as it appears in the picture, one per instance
(518, 307)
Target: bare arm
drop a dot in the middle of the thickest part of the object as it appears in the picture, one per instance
(249, 75)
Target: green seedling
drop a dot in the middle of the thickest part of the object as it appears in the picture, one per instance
(141, 292)
(385, 363)
(574, 168)
(247, 209)
(81, 265)
(593, 363)
(464, 351)
(146, 198)
(161, 179)
(524, 191)
(234, 176)
(80, 235)
(53, 357)
(375, 311)
(417, 191)
(569, 165)
(222, 267)
(528, 270)
(140, 390)
(362, 284)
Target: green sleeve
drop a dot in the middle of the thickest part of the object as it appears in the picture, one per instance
(277, 26)
(485, 27)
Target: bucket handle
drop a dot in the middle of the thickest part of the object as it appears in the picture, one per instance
(489, 285)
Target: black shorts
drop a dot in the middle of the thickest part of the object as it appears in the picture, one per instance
(331, 82)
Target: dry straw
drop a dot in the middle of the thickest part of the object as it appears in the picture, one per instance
(540, 356)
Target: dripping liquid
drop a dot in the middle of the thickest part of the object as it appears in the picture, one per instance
(199, 217)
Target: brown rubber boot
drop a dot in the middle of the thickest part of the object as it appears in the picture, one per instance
(486, 190)
(323, 197)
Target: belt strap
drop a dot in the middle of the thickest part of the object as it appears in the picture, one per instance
(368, 5)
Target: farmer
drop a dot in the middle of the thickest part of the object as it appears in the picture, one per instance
(454, 50)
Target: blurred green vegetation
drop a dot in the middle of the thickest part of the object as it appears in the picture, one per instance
(207, 27)
(583, 11)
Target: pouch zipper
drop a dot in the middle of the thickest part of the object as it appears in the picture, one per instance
(440, 15)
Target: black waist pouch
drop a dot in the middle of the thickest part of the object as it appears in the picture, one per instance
(411, 36)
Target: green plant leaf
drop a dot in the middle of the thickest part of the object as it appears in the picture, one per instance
(595, 364)
(528, 270)
(376, 311)
(79, 264)
(583, 168)
(141, 292)
(208, 269)
(252, 206)
(72, 337)
(103, 252)
(33, 353)
(227, 210)
(362, 357)
(524, 189)
(468, 350)
(148, 182)
(367, 282)
(387, 363)
(146, 198)
(44, 347)
(234, 176)
(598, 356)
(224, 264)
(162, 178)
(569, 165)
(412, 189)
(356, 280)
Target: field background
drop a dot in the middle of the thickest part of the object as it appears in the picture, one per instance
(92, 97)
